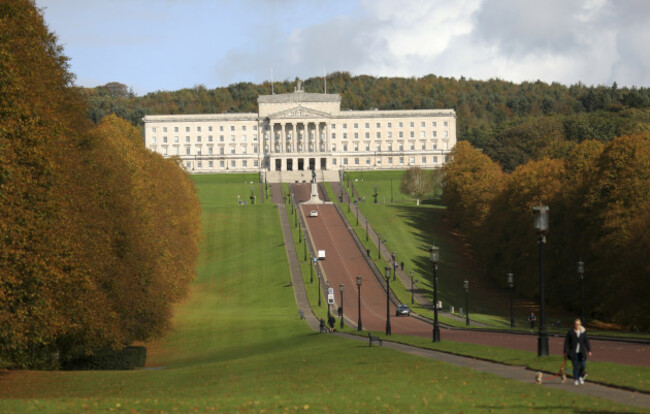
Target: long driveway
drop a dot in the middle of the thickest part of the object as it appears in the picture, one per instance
(344, 261)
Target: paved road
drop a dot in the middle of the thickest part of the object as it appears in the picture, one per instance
(345, 261)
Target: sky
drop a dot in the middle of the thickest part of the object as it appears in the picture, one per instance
(153, 45)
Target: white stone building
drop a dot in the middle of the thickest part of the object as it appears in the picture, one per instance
(296, 132)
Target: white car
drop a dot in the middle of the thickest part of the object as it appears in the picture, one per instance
(313, 213)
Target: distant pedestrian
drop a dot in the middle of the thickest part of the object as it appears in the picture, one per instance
(577, 348)
(532, 319)
(322, 326)
(331, 322)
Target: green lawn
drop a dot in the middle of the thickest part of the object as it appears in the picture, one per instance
(237, 345)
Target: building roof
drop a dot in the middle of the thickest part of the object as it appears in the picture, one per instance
(299, 96)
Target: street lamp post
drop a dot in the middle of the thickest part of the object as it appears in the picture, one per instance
(366, 228)
(581, 276)
(299, 232)
(511, 286)
(434, 256)
(412, 302)
(359, 327)
(379, 244)
(356, 204)
(394, 266)
(329, 315)
(466, 285)
(541, 225)
(311, 270)
(295, 218)
(341, 290)
(304, 250)
(387, 273)
(319, 290)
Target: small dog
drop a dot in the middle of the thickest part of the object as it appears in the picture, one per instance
(538, 377)
(562, 375)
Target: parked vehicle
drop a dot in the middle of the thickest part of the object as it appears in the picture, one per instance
(313, 213)
(403, 310)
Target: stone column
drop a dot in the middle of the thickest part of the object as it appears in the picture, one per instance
(271, 141)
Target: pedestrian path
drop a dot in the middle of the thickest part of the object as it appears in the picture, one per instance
(520, 374)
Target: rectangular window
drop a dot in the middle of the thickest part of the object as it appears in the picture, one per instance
(222, 164)
(333, 135)
(210, 149)
(334, 161)
(188, 165)
(187, 150)
(367, 135)
(378, 124)
(345, 147)
(153, 140)
(175, 129)
(254, 149)
(367, 146)
(356, 126)
(345, 126)
(198, 151)
(367, 161)
(435, 160)
(210, 138)
(390, 134)
(434, 124)
(400, 134)
(198, 138)
(164, 129)
(175, 150)
(209, 129)
(232, 138)
(256, 163)
(390, 160)
(356, 135)
(356, 161)
(255, 137)
(198, 129)
(412, 160)
(401, 147)
(424, 160)
(424, 145)
(187, 129)
(233, 163)
(356, 147)
(412, 146)
(199, 164)
(412, 134)
(390, 146)
(243, 138)
(378, 134)
(164, 150)
(220, 138)
(401, 160)
(254, 127)
(232, 150)
(176, 139)
(412, 124)
(345, 161)
(333, 147)
(445, 123)
(390, 125)
(367, 124)
(345, 135)
(423, 124)
(232, 128)
(244, 163)
(435, 134)
(445, 134)
(378, 161)
(187, 139)
(211, 164)
(333, 126)
(378, 147)
(423, 134)
(243, 127)
(243, 149)
(400, 124)
(221, 130)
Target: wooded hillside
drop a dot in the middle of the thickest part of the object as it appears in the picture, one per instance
(512, 123)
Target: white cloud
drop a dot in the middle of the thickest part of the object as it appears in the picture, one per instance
(593, 41)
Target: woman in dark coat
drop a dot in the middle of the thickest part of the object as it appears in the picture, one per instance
(577, 348)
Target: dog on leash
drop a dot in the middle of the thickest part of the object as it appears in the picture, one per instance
(538, 377)
(562, 375)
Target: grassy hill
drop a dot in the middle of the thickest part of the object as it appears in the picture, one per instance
(238, 346)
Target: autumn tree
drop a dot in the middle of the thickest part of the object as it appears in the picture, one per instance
(98, 236)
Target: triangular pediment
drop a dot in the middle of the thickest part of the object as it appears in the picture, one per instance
(299, 112)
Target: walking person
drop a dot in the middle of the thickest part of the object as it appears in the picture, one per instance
(532, 319)
(577, 348)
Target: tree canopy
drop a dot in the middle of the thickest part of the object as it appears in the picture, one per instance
(98, 235)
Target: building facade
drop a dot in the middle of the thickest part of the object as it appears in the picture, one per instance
(302, 131)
